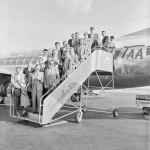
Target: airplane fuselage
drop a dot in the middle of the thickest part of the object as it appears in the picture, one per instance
(131, 69)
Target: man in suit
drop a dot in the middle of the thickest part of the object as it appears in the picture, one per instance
(87, 43)
(63, 47)
(56, 53)
(44, 56)
(49, 58)
(81, 51)
(76, 42)
(72, 40)
(74, 59)
(41, 63)
(36, 80)
(27, 71)
(105, 41)
(67, 64)
(92, 33)
(92, 36)
(51, 75)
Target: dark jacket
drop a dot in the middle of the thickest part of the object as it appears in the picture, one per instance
(105, 42)
(28, 72)
(70, 43)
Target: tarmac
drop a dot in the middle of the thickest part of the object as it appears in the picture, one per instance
(97, 131)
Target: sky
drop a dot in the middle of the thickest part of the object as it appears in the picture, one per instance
(38, 24)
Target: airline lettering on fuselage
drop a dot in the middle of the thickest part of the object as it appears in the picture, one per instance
(133, 55)
(139, 54)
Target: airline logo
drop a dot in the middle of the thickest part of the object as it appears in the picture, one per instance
(107, 61)
(137, 52)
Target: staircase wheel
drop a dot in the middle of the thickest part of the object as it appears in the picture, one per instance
(144, 111)
(115, 113)
(78, 117)
(75, 97)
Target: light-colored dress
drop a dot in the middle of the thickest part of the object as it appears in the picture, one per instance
(18, 80)
(81, 52)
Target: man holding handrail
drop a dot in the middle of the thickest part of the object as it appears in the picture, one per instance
(51, 75)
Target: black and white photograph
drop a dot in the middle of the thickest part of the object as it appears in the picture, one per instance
(75, 74)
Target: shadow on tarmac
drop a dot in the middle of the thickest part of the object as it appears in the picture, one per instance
(124, 113)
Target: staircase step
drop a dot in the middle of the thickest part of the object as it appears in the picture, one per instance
(33, 116)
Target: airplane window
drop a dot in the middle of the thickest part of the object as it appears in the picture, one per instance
(20, 60)
(2, 62)
(8, 61)
(148, 51)
(13, 61)
(34, 59)
(28, 58)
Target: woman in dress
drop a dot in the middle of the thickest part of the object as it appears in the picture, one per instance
(20, 96)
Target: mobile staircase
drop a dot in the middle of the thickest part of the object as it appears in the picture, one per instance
(57, 97)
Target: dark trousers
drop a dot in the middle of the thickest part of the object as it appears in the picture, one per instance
(61, 71)
(16, 103)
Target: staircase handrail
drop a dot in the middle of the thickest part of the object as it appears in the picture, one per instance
(62, 78)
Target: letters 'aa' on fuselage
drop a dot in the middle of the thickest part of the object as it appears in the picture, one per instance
(131, 67)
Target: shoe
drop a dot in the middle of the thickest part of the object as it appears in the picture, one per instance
(34, 112)
(24, 113)
(17, 114)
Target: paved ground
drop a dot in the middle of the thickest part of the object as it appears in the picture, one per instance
(97, 131)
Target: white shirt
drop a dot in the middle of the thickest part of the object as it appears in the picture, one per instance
(44, 58)
(113, 44)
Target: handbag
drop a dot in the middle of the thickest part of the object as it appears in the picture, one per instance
(17, 92)
(8, 91)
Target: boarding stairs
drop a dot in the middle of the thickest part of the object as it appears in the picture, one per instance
(51, 104)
